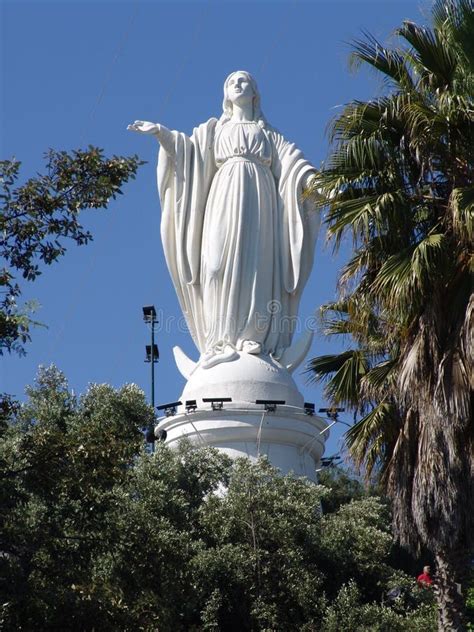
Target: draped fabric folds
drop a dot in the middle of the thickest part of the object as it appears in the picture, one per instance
(237, 239)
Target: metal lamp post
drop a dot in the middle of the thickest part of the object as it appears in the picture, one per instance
(152, 356)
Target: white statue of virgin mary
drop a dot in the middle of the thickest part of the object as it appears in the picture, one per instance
(238, 237)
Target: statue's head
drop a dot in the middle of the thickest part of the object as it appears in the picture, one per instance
(251, 88)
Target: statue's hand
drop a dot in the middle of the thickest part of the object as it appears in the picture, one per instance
(144, 127)
(160, 132)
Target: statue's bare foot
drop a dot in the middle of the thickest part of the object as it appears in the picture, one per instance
(250, 346)
(217, 355)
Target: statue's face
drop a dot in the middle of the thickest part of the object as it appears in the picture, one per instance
(239, 89)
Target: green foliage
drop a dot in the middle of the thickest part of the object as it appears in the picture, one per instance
(96, 534)
(37, 216)
(342, 488)
(363, 527)
(61, 460)
(348, 613)
(270, 527)
(470, 601)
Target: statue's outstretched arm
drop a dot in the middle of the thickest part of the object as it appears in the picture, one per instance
(162, 133)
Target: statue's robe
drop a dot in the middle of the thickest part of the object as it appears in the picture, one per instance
(237, 238)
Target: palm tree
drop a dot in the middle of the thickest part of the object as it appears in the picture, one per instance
(361, 379)
(400, 180)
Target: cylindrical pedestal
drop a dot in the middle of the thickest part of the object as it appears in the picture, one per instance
(292, 440)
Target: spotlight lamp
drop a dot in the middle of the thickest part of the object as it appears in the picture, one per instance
(330, 461)
(149, 314)
(191, 405)
(161, 434)
(270, 405)
(309, 409)
(332, 413)
(217, 403)
(152, 357)
(169, 409)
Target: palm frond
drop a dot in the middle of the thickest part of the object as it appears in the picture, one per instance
(369, 258)
(368, 439)
(358, 118)
(378, 381)
(338, 327)
(395, 273)
(389, 62)
(427, 127)
(359, 153)
(323, 367)
(342, 374)
(382, 116)
(431, 57)
(341, 307)
(462, 208)
(455, 18)
(367, 216)
(404, 278)
(427, 254)
(354, 214)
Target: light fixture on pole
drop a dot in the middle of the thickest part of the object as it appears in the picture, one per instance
(330, 461)
(270, 405)
(333, 413)
(161, 434)
(217, 403)
(152, 356)
(191, 405)
(169, 409)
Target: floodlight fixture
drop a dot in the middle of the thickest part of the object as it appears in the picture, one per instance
(330, 461)
(149, 314)
(333, 412)
(217, 403)
(169, 409)
(309, 409)
(152, 357)
(270, 405)
(161, 434)
(191, 405)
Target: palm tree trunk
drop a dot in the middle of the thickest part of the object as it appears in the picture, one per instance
(447, 590)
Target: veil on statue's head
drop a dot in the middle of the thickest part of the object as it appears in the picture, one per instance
(258, 115)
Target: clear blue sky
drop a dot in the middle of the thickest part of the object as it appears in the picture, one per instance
(76, 73)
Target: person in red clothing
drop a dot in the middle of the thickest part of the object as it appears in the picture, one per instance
(425, 578)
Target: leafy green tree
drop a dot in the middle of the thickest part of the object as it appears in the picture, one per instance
(400, 180)
(343, 488)
(98, 534)
(266, 529)
(61, 461)
(37, 216)
(348, 612)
